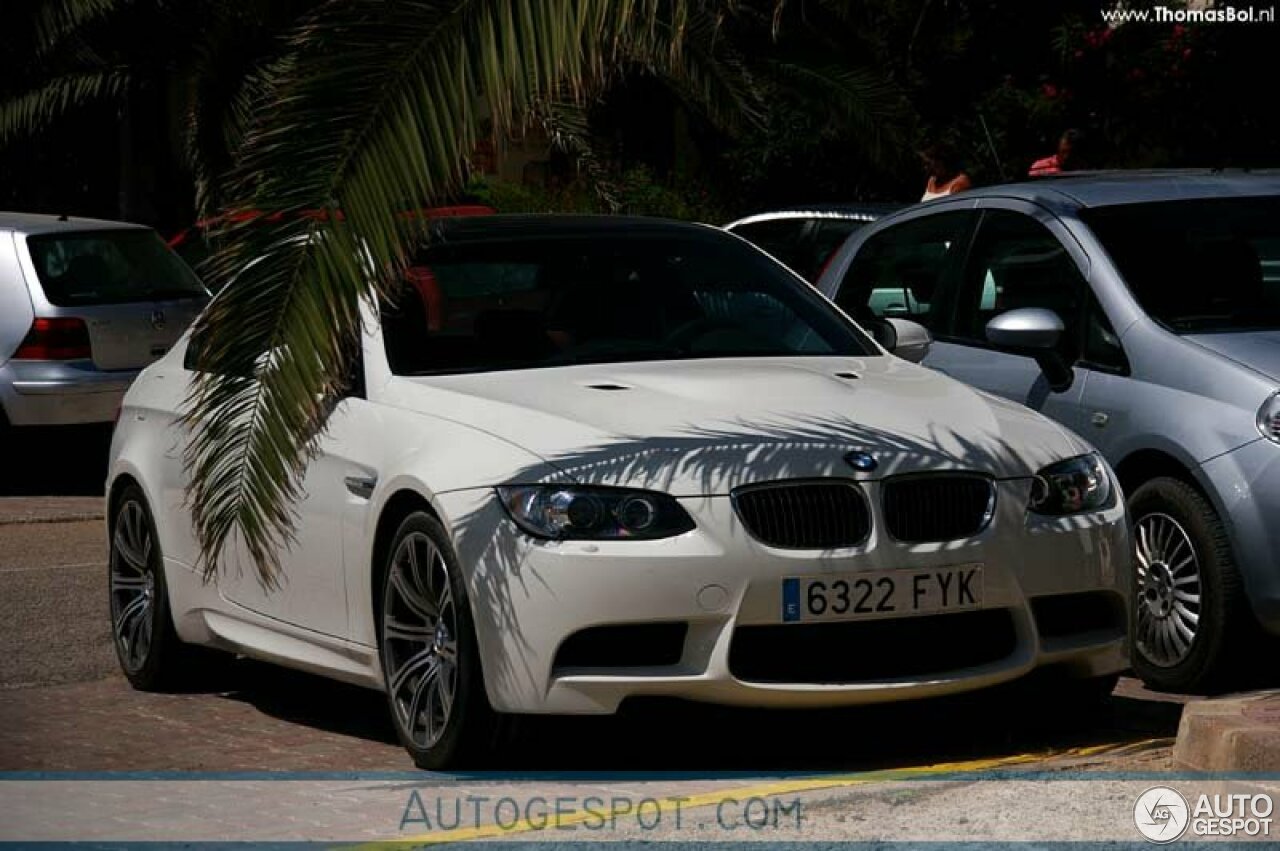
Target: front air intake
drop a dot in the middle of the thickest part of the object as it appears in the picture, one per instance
(937, 506)
(805, 515)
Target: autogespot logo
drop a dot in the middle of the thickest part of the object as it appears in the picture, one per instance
(1161, 814)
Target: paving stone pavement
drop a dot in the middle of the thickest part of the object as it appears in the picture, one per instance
(106, 726)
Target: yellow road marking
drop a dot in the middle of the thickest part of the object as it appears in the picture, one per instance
(762, 790)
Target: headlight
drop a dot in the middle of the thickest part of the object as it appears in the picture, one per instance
(1072, 486)
(593, 513)
(1269, 418)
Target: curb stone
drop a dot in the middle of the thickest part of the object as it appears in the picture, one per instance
(1231, 734)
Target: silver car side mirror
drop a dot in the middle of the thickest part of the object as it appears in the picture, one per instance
(1026, 328)
(1034, 331)
(912, 340)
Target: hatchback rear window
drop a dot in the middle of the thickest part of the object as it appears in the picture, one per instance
(110, 267)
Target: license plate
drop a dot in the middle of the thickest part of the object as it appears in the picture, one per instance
(882, 594)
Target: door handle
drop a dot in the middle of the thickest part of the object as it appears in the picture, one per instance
(361, 486)
(1100, 419)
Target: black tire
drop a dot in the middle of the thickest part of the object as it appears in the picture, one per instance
(424, 658)
(151, 655)
(1222, 614)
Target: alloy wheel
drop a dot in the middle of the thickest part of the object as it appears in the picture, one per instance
(420, 640)
(1169, 590)
(133, 586)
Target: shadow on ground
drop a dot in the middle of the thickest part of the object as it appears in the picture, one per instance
(665, 736)
(62, 461)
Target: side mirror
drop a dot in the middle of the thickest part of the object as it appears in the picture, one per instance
(1026, 329)
(1034, 331)
(911, 340)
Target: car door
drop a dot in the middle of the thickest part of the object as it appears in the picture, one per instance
(336, 485)
(907, 270)
(1021, 257)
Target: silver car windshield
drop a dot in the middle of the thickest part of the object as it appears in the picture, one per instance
(1198, 266)
(110, 267)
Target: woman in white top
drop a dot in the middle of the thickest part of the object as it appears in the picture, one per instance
(946, 174)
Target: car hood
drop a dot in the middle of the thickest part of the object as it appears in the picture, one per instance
(1259, 350)
(705, 427)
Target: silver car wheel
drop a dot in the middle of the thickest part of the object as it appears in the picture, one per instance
(419, 640)
(1168, 591)
(133, 586)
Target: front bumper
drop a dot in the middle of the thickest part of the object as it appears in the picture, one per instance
(529, 597)
(41, 393)
(1245, 487)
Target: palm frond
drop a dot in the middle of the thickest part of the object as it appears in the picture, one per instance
(33, 111)
(566, 124)
(382, 105)
(57, 19)
(713, 76)
(857, 99)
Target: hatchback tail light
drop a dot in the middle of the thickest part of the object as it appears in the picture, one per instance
(58, 338)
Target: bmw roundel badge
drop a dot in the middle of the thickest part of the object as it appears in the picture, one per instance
(863, 462)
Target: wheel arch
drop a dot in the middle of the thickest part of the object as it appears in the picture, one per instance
(1143, 465)
(398, 506)
(118, 486)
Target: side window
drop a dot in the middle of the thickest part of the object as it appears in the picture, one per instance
(829, 235)
(1017, 262)
(1102, 349)
(897, 272)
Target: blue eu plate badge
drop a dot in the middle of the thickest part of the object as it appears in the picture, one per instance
(790, 599)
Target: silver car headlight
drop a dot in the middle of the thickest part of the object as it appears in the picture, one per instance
(1072, 486)
(570, 512)
(1269, 417)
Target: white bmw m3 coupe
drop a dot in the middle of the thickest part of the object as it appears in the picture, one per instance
(584, 460)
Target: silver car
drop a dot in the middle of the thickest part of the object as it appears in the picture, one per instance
(1142, 311)
(84, 306)
(805, 238)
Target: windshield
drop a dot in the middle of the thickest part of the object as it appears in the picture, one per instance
(1198, 266)
(611, 298)
(110, 267)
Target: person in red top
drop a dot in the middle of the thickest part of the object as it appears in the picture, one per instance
(1068, 158)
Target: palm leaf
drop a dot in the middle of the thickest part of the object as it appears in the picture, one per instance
(713, 76)
(33, 111)
(566, 124)
(55, 20)
(857, 99)
(382, 105)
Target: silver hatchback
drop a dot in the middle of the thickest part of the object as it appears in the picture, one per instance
(84, 306)
(1141, 310)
